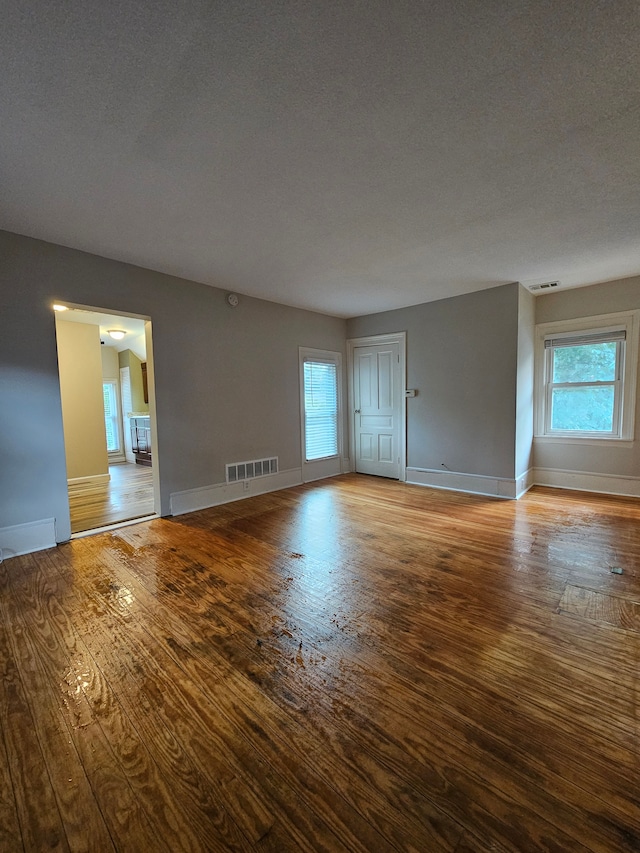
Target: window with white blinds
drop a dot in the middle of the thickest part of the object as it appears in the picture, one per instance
(110, 399)
(321, 404)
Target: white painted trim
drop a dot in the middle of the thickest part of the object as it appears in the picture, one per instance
(475, 484)
(399, 338)
(310, 468)
(588, 481)
(591, 442)
(25, 538)
(319, 469)
(346, 465)
(89, 482)
(191, 500)
(130, 457)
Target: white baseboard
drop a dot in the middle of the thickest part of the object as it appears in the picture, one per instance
(586, 481)
(475, 484)
(28, 537)
(221, 493)
(130, 457)
(93, 480)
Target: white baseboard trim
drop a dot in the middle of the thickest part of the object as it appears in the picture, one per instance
(28, 537)
(191, 500)
(93, 480)
(588, 481)
(130, 457)
(474, 484)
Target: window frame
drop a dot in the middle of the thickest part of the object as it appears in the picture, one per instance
(624, 384)
(326, 465)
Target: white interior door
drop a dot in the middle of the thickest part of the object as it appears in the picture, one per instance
(377, 395)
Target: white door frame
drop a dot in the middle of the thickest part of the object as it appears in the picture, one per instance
(399, 338)
(155, 472)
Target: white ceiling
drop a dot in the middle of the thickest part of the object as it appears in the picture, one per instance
(343, 156)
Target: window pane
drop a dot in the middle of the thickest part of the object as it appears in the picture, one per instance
(583, 408)
(585, 363)
(321, 409)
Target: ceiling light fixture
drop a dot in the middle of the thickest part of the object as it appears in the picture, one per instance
(116, 334)
(58, 307)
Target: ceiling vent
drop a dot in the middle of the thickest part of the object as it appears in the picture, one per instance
(541, 286)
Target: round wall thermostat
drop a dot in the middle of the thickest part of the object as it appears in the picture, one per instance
(232, 299)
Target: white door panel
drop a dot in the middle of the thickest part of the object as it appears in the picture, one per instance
(378, 395)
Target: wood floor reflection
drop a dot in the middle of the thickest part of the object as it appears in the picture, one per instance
(128, 494)
(352, 665)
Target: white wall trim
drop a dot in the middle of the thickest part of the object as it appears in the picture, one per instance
(475, 484)
(346, 465)
(314, 469)
(28, 537)
(93, 480)
(399, 338)
(588, 481)
(216, 494)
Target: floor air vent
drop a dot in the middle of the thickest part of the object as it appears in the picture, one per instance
(237, 471)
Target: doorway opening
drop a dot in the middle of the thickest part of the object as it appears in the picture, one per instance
(105, 365)
(377, 406)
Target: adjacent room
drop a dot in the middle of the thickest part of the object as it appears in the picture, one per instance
(320, 477)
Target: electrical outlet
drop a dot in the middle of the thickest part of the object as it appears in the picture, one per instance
(245, 485)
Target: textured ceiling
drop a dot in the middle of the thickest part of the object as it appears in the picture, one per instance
(348, 157)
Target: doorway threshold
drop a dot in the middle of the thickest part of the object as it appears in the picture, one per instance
(117, 524)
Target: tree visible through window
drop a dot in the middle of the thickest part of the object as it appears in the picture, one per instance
(584, 383)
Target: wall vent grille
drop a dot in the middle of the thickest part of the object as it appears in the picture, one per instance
(543, 286)
(238, 471)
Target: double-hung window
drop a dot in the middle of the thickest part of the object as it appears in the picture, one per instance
(586, 378)
(320, 404)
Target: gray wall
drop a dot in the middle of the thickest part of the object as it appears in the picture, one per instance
(607, 298)
(462, 357)
(226, 379)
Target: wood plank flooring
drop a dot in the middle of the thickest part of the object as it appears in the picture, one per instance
(127, 495)
(351, 665)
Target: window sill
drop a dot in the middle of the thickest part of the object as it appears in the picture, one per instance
(591, 440)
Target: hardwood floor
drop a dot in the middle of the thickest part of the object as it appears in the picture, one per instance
(352, 665)
(128, 494)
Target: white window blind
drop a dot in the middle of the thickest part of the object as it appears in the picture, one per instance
(111, 416)
(320, 409)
